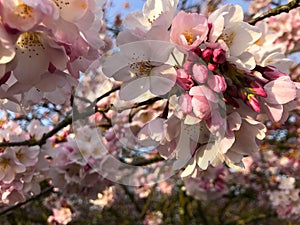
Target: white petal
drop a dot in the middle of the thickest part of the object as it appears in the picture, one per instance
(206, 154)
(165, 79)
(134, 88)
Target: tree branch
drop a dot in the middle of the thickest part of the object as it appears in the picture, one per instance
(276, 11)
(45, 192)
(90, 110)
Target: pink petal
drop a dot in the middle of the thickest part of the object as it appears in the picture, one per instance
(280, 91)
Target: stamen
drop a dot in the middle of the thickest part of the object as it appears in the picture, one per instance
(189, 37)
(29, 43)
(62, 3)
(227, 38)
(24, 11)
(142, 68)
(151, 21)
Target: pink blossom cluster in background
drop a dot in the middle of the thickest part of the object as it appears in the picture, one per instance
(45, 45)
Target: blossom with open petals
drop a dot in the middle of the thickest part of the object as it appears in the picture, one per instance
(234, 35)
(151, 11)
(189, 30)
(143, 68)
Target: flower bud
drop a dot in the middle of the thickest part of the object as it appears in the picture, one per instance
(270, 72)
(212, 67)
(253, 102)
(257, 88)
(184, 80)
(219, 56)
(197, 51)
(207, 54)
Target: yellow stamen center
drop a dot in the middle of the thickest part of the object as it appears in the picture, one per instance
(29, 43)
(24, 11)
(142, 68)
(189, 37)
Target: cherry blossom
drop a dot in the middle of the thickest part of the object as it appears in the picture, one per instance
(189, 30)
(234, 35)
(141, 67)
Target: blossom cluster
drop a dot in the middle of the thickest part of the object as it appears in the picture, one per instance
(45, 45)
(80, 164)
(216, 74)
(22, 167)
(195, 89)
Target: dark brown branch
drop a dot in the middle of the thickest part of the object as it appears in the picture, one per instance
(276, 11)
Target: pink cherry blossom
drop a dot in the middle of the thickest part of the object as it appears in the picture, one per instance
(10, 166)
(142, 68)
(25, 15)
(189, 30)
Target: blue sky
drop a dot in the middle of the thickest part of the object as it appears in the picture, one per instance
(138, 4)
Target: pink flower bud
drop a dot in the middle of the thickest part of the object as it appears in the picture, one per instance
(219, 56)
(257, 89)
(270, 72)
(217, 83)
(207, 54)
(253, 103)
(184, 80)
(212, 67)
(200, 72)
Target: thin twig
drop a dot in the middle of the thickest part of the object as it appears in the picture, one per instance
(45, 192)
(276, 11)
(146, 162)
(69, 119)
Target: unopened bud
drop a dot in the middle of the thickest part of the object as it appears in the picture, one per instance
(253, 103)
(219, 56)
(197, 51)
(212, 67)
(270, 72)
(258, 89)
(207, 54)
